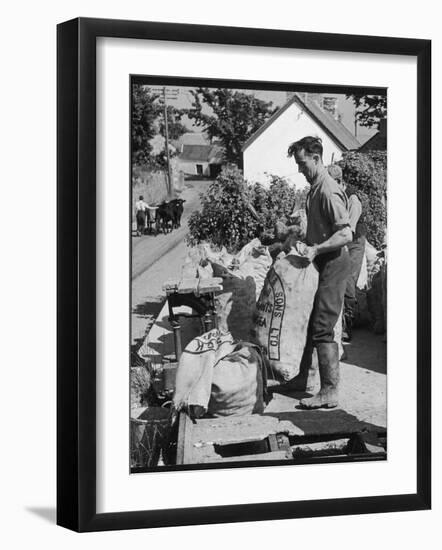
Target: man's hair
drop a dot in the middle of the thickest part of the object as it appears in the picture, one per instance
(141, 198)
(311, 145)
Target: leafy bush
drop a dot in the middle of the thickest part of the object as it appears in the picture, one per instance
(279, 201)
(276, 204)
(366, 176)
(226, 219)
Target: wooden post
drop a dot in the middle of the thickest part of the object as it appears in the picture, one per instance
(166, 131)
(177, 339)
(184, 443)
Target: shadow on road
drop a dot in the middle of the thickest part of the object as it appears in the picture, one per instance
(367, 351)
(333, 421)
(151, 307)
(145, 313)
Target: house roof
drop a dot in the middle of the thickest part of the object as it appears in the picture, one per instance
(202, 153)
(377, 142)
(191, 138)
(335, 129)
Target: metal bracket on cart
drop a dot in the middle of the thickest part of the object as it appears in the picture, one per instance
(199, 295)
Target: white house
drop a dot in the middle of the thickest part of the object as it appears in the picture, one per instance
(265, 152)
(201, 160)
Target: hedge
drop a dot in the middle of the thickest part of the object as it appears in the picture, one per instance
(224, 218)
(233, 212)
(366, 176)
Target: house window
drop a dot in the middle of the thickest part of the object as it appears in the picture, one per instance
(199, 169)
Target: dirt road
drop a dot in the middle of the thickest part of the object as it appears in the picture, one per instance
(148, 249)
(155, 259)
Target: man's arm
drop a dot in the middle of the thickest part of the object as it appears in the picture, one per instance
(337, 240)
(334, 207)
(354, 211)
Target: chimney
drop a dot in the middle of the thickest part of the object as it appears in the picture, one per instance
(330, 105)
(317, 98)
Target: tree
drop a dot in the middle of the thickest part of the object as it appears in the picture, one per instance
(148, 121)
(145, 111)
(233, 117)
(370, 109)
(174, 125)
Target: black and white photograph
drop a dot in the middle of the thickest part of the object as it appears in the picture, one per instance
(220, 327)
(258, 310)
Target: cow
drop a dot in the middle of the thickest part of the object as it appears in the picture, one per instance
(168, 215)
(177, 208)
(165, 217)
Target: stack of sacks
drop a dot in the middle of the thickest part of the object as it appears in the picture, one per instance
(243, 277)
(220, 377)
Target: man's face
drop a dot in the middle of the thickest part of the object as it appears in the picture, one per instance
(308, 164)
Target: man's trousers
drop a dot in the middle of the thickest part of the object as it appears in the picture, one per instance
(334, 270)
(356, 250)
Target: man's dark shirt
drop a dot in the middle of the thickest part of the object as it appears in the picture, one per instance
(327, 209)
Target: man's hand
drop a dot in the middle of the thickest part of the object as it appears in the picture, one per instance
(338, 240)
(310, 253)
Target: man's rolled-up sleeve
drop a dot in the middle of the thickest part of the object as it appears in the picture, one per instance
(354, 211)
(335, 209)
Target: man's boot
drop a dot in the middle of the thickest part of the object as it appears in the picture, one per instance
(306, 380)
(328, 359)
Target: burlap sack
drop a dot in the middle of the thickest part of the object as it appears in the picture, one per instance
(363, 275)
(254, 262)
(221, 377)
(195, 368)
(371, 258)
(242, 286)
(235, 306)
(283, 313)
(238, 383)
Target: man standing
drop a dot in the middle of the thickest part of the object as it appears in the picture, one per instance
(328, 233)
(356, 249)
(141, 209)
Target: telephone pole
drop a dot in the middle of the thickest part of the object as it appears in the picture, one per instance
(166, 131)
(167, 94)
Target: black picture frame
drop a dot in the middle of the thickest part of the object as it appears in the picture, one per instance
(76, 274)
